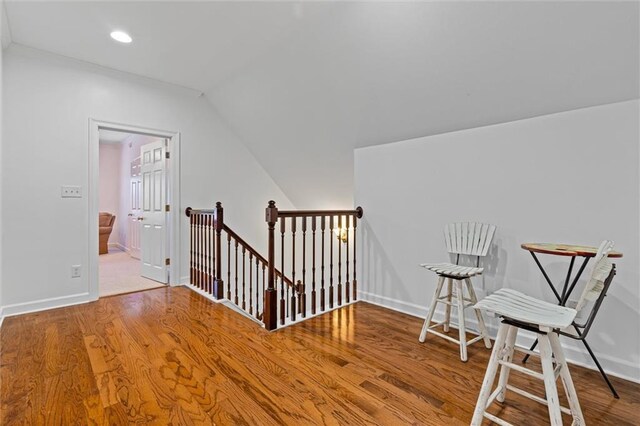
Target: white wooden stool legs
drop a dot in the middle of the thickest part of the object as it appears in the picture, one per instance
(567, 382)
(510, 345)
(462, 331)
(481, 326)
(447, 309)
(432, 309)
(489, 376)
(455, 290)
(502, 356)
(553, 403)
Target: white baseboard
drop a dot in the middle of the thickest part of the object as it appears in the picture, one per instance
(575, 354)
(118, 246)
(45, 304)
(201, 292)
(288, 321)
(1, 316)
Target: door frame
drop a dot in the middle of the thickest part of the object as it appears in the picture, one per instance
(173, 196)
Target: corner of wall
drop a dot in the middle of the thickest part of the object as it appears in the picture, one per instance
(5, 29)
(6, 37)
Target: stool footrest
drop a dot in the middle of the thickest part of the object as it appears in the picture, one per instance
(527, 351)
(497, 420)
(493, 397)
(445, 299)
(521, 369)
(475, 339)
(535, 398)
(437, 324)
(451, 339)
(444, 336)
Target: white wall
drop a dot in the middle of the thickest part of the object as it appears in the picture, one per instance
(110, 185)
(571, 177)
(49, 101)
(4, 35)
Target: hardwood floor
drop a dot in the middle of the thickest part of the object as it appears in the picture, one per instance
(170, 356)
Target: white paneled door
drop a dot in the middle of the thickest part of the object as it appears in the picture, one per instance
(135, 213)
(153, 230)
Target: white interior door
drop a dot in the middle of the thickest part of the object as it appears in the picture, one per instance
(135, 211)
(153, 235)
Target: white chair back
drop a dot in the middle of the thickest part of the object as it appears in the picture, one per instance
(469, 238)
(599, 273)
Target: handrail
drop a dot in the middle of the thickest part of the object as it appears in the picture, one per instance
(188, 211)
(357, 212)
(255, 253)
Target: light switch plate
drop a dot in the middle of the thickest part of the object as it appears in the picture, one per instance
(71, 191)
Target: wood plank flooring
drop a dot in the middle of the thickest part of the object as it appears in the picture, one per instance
(170, 356)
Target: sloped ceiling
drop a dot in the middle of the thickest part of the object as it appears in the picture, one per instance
(384, 72)
(303, 84)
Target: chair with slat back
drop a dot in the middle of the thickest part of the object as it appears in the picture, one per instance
(548, 321)
(468, 239)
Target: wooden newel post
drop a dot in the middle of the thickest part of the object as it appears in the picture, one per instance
(270, 317)
(218, 283)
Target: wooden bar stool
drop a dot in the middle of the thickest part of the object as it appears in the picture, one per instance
(471, 239)
(547, 320)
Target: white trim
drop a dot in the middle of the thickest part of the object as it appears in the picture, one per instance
(203, 293)
(613, 366)
(288, 322)
(173, 246)
(118, 246)
(1, 316)
(300, 319)
(45, 304)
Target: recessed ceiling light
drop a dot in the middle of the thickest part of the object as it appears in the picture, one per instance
(121, 36)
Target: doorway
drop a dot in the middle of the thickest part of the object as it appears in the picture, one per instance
(132, 182)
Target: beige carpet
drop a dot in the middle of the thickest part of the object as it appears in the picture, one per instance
(120, 273)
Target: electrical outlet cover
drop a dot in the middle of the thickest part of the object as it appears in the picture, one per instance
(76, 271)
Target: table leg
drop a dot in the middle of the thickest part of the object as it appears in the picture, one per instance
(575, 280)
(565, 292)
(566, 280)
(546, 277)
(604, 375)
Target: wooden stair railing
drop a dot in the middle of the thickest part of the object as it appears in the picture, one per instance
(210, 258)
(211, 255)
(285, 307)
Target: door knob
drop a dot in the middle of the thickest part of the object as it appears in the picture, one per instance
(130, 214)
(140, 218)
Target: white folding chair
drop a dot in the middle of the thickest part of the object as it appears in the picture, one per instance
(547, 320)
(471, 239)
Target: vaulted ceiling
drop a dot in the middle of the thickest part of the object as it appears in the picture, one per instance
(305, 83)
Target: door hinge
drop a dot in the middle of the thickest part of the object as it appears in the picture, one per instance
(167, 208)
(167, 261)
(167, 155)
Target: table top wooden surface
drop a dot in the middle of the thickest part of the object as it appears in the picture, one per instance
(565, 250)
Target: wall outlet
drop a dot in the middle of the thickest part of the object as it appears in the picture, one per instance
(71, 191)
(75, 271)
